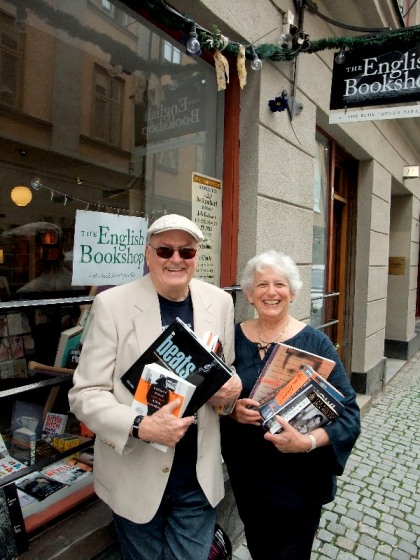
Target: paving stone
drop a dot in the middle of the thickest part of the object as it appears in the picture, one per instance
(347, 544)
(408, 547)
(397, 554)
(364, 552)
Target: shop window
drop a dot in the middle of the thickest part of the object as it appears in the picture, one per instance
(10, 60)
(116, 119)
(107, 107)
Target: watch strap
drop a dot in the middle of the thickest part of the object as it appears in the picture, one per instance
(136, 426)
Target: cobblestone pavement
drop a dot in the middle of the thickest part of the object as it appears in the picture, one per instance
(376, 513)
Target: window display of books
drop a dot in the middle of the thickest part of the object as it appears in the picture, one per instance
(39, 450)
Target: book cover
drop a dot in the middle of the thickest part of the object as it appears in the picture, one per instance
(38, 485)
(6, 369)
(54, 424)
(13, 537)
(213, 343)
(284, 363)
(3, 448)
(311, 408)
(9, 465)
(17, 323)
(23, 445)
(3, 326)
(159, 386)
(299, 380)
(27, 415)
(20, 368)
(44, 450)
(16, 347)
(69, 340)
(67, 471)
(5, 350)
(87, 456)
(180, 350)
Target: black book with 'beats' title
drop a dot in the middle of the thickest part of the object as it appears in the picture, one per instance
(180, 350)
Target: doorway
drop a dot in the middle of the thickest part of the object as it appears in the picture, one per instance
(333, 245)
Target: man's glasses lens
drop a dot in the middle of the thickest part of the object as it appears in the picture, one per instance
(167, 252)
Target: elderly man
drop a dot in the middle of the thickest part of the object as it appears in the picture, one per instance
(163, 503)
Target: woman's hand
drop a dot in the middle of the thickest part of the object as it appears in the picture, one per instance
(288, 440)
(244, 414)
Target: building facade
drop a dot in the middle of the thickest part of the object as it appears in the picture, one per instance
(103, 108)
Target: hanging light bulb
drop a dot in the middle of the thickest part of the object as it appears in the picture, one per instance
(340, 57)
(193, 44)
(256, 63)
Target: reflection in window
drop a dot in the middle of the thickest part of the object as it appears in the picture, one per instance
(10, 61)
(107, 108)
(114, 118)
(171, 53)
(113, 11)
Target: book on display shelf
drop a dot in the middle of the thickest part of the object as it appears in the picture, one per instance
(38, 485)
(311, 407)
(68, 470)
(157, 387)
(282, 365)
(69, 341)
(9, 465)
(54, 425)
(180, 350)
(13, 537)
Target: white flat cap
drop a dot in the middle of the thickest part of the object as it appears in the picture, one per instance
(175, 222)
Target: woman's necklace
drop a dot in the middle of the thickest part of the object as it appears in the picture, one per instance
(264, 345)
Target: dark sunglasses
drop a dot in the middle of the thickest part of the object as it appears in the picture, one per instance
(167, 252)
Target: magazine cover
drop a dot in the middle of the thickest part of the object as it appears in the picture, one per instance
(38, 485)
(67, 471)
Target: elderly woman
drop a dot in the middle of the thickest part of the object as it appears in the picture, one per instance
(280, 481)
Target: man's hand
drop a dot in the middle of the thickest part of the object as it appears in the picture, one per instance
(163, 427)
(228, 392)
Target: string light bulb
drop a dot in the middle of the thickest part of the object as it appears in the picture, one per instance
(36, 183)
(340, 57)
(256, 63)
(193, 44)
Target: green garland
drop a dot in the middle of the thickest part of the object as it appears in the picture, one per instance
(210, 40)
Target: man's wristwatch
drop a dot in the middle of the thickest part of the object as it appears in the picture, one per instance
(136, 426)
(314, 443)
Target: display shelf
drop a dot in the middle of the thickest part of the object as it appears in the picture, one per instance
(49, 389)
(85, 444)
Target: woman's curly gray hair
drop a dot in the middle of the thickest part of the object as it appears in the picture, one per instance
(275, 260)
